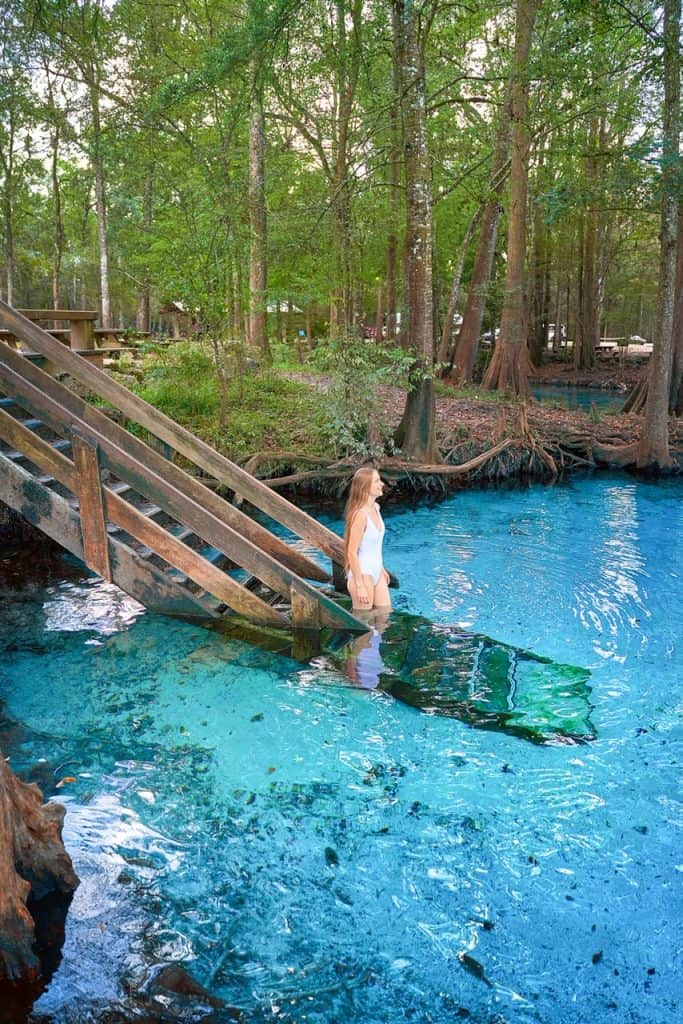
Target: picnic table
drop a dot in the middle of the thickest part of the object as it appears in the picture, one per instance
(81, 329)
(96, 344)
(80, 333)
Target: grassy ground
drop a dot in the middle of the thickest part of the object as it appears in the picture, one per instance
(264, 409)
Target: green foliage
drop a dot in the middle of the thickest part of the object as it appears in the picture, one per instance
(357, 368)
(174, 85)
(265, 411)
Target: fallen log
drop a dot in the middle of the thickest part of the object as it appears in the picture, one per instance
(33, 864)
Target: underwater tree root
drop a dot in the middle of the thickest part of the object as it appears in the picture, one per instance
(33, 863)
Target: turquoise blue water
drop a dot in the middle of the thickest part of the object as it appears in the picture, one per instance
(580, 398)
(313, 852)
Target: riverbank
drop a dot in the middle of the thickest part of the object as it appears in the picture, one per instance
(482, 438)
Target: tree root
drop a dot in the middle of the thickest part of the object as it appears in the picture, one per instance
(391, 468)
(33, 862)
(616, 455)
(525, 444)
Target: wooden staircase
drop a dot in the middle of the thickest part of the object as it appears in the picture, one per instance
(134, 516)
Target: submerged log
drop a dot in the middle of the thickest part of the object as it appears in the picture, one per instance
(33, 864)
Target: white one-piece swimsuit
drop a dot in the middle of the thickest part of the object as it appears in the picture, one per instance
(370, 550)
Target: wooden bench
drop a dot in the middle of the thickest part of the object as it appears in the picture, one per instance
(108, 334)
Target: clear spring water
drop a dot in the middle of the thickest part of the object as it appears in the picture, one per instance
(314, 852)
(605, 401)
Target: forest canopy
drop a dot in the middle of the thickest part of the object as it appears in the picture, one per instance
(282, 170)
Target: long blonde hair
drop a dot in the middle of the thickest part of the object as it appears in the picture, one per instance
(359, 492)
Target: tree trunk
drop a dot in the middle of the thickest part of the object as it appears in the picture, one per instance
(348, 67)
(446, 353)
(653, 448)
(509, 366)
(58, 243)
(538, 335)
(676, 392)
(258, 225)
(584, 354)
(394, 191)
(7, 161)
(467, 345)
(309, 328)
(143, 313)
(9, 245)
(417, 430)
(33, 862)
(379, 313)
(58, 227)
(100, 204)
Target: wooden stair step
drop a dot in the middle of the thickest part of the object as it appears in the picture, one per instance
(119, 487)
(60, 445)
(149, 509)
(211, 554)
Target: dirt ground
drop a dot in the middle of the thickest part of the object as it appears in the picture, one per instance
(469, 426)
(482, 420)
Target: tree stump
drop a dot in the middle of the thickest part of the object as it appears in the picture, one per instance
(33, 863)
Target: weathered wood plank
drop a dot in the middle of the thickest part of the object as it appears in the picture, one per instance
(91, 506)
(58, 314)
(53, 515)
(305, 610)
(82, 334)
(164, 544)
(222, 469)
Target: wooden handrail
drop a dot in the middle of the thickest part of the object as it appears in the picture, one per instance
(161, 426)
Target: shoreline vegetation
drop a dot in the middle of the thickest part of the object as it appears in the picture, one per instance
(305, 430)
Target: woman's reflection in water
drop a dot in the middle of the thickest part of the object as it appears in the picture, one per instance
(364, 665)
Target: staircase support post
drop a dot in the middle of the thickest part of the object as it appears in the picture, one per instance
(93, 524)
(305, 609)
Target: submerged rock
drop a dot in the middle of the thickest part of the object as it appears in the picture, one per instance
(488, 684)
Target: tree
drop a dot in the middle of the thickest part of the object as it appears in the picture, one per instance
(509, 365)
(676, 394)
(258, 223)
(417, 431)
(467, 344)
(17, 115)
(653, 449)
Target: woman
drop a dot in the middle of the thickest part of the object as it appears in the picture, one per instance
(368, 580)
